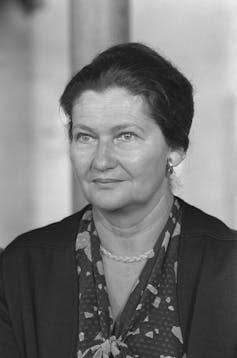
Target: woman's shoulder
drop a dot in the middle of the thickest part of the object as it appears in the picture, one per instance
(54, 235)
(196, 222)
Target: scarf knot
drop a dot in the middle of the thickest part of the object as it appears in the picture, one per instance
(107, 348)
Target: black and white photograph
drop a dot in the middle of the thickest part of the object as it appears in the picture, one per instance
(118, 162)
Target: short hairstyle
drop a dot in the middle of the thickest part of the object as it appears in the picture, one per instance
(142, 71)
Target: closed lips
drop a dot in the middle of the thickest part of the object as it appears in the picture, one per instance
(107, 180)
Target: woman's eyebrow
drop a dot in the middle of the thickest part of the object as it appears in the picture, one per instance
(126, 125)
(83, 127)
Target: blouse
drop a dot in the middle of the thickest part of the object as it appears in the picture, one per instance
(149, 325)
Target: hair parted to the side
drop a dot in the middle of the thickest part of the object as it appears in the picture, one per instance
(142, 71)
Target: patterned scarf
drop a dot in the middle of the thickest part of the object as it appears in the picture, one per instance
(149, 324)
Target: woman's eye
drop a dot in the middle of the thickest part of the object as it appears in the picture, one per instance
(127, 137)
(83, 138)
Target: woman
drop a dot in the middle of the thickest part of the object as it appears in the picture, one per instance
(138, 272)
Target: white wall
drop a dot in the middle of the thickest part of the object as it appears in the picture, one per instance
(35, 182)
(200, 37)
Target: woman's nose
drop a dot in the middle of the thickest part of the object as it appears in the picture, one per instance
(104, 157)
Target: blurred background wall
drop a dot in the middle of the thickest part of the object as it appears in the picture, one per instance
(35, 181)
(40, 49)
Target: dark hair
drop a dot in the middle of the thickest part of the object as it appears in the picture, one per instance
(141, 71)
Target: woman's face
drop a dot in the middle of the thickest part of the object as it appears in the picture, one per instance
(119, 153)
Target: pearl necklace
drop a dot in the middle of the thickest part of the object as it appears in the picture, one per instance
(127, 259)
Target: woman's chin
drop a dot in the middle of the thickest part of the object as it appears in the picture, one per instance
(108, 206)
(109, 202)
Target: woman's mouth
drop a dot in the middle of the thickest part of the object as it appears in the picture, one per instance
(106, 180)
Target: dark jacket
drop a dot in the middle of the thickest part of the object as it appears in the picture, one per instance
(39, 292)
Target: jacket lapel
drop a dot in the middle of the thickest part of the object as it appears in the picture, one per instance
(207, 285)
(190, 266)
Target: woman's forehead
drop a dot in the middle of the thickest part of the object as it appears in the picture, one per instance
(113, 102)
(112, 108)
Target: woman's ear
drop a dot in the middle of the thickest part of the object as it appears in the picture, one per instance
(176, 156)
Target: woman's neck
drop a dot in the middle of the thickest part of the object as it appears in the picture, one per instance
(129, 235)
